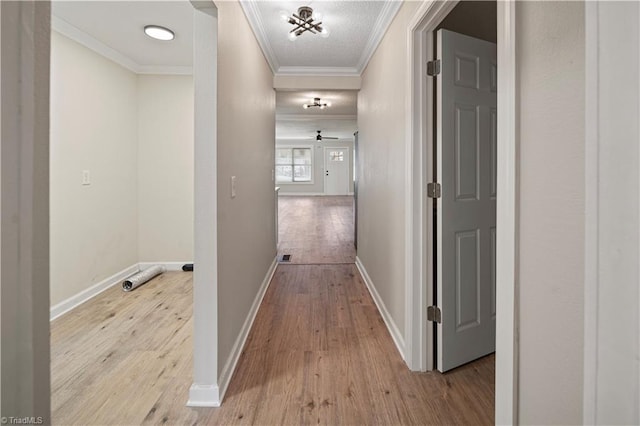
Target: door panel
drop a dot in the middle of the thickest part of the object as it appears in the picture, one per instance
(467, 280)
(336, 179)
(466, 152)
(466, 211)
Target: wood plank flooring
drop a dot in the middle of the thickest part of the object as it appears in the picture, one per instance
(318, 353)
(115, 355)
(316, 230)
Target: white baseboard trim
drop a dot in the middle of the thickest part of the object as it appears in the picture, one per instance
(308, 194)
(300, 194)
(236, 351)
(169, 266)
(203, 396)
(391, 325)
(75, 301)
(70, 303)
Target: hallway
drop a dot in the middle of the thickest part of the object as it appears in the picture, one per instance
(318, 353)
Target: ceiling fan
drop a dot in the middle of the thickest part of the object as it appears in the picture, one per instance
(319, 137)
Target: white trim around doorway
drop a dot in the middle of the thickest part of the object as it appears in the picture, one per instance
(419, 224)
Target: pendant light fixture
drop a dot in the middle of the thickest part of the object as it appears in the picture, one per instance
(316, 103)
(304, 20)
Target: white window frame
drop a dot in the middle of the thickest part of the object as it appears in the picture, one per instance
(313, 165)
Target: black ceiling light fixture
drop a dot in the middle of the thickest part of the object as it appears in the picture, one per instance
(317, 103)
(305, 20)
(319, 136)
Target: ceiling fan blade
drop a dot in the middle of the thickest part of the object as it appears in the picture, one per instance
(329, 137)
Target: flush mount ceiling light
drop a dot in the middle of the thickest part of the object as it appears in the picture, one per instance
(159, 33)
(305, 20)
(317, 103)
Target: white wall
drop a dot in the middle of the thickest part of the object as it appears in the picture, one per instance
(94, 228)
(382, 166)
(246, 149)
(134, 133)
(550, 63)
(317, 187)
(612, 302)
(165, 168)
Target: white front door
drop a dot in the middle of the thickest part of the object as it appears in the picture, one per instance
(336, 171)
(466, 211)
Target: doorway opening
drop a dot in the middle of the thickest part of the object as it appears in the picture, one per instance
(130, 126)
(420, 225)
(464, 74)
(314, 176)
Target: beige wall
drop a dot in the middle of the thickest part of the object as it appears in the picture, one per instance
(165, 168)
(551, 85)
(24, 260)
(382, 164)
(246, 147)
(550, 64)
(94, 229)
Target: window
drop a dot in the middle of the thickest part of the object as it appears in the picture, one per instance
(293, 165)
(336, 155)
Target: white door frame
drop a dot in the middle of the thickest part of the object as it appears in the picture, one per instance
(324, 162)
(605, 25)
(419, 224)
(204, 391)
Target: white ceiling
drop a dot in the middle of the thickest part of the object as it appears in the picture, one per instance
(356, 28)
(114, 29)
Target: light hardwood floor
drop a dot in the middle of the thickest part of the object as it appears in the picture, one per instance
(316, 230)
(319, 353)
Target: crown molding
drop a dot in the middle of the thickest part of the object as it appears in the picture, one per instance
(164, 69)
(389, 11)
(319, 71)
(313, 117)
(79, 36)
(74, 33)
(255, 22)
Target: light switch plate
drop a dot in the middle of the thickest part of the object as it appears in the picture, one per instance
(86, 177)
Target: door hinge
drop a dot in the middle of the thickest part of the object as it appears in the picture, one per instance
(433, 67)
(434, 190)
(434, 314)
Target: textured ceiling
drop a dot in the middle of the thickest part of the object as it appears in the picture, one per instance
(356, 28)
(350, 24)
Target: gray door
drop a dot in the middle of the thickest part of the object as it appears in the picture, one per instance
(466, 214)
